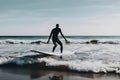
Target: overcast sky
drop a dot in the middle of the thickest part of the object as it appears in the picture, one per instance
(76, 17)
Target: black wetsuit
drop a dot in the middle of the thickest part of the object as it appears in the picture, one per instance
(55, 33)
(55, 38)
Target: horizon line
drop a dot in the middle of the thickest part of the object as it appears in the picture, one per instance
(65, 35)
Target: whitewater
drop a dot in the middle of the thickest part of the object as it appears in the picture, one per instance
(81, 54)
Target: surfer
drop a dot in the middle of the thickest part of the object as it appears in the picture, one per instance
(54, 34)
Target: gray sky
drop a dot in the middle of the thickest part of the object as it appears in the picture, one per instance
(76, 17)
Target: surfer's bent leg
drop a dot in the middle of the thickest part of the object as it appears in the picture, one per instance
(61, 46)
(55, 45)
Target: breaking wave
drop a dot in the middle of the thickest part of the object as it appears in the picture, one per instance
(74, 61)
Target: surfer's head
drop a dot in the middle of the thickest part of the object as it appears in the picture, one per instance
(57, 25)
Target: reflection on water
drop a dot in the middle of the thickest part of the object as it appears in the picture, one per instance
(36, 74)
(55, 75)
(56, 78)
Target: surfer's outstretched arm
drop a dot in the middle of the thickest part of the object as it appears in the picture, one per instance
(49, 36)
(64, 37)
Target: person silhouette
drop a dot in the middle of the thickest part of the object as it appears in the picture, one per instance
(56, 77)
(54, 34)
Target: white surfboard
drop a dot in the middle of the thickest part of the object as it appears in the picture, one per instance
(46, 53)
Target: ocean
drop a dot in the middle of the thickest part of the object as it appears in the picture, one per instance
(94, 54)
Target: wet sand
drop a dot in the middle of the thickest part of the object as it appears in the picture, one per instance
(37, 74)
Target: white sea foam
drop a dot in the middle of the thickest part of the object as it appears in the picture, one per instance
(86, 66)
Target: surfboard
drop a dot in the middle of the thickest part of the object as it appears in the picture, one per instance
(47, 53)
